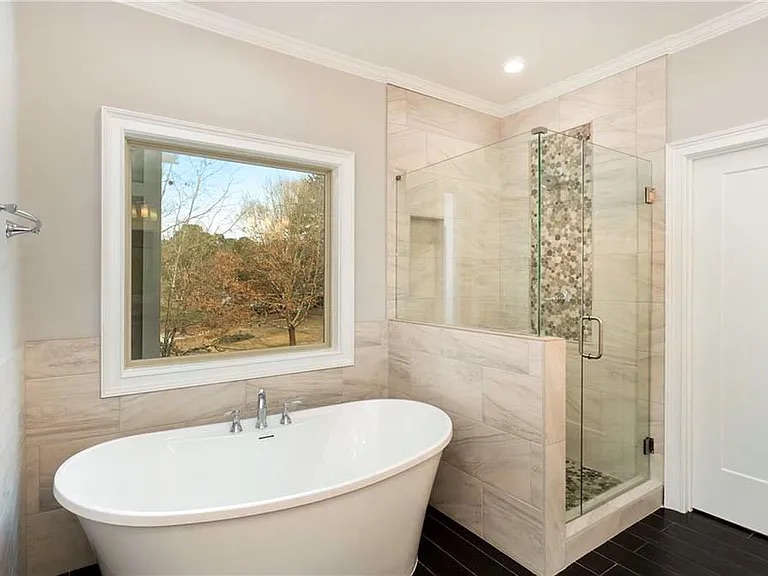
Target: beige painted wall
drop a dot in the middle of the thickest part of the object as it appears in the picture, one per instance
(11, 392)
(75, 58)
(719, 84)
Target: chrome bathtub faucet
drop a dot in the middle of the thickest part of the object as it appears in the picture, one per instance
(261, 405)
(285, 418)
(236, 426)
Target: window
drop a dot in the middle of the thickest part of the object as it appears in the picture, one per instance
(224, 255)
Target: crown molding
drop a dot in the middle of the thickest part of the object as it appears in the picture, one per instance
(201, 17)
(441, 92)
(712, 28)
(206, 19)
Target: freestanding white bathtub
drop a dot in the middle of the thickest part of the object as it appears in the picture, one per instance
(341, 491)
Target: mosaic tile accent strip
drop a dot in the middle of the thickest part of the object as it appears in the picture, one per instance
(595, 484)
(565, 279)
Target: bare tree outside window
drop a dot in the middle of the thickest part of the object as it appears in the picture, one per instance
(287, 228)
(227, 256)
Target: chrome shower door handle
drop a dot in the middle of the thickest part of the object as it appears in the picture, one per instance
(600, 341)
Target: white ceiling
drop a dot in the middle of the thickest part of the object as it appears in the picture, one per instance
(463, 46)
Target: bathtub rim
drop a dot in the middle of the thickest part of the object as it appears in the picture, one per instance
(194, 516)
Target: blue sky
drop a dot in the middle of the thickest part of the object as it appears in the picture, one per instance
(248, 182)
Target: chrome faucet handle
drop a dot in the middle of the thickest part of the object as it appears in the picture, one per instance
(285, 418)
(236, 426)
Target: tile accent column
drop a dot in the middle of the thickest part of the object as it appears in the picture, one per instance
(628, 113)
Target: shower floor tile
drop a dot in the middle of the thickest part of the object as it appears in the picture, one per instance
(595, 483)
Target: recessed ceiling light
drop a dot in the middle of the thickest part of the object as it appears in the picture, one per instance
(514, 66)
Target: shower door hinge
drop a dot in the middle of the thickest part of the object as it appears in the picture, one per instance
(647, 445)
(650, 194)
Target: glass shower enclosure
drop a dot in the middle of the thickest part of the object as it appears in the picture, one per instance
(545, 234)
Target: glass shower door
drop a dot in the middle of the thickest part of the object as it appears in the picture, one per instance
(592, 269)
(614, 348)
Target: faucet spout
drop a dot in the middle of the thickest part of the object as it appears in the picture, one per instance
(261, 405)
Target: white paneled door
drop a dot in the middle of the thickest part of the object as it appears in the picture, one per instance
(730, 336)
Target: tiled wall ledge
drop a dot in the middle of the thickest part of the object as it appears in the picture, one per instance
(594, 528)
(65, 414)
(503, 474)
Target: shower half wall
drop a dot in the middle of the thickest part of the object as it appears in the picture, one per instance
(537, 236)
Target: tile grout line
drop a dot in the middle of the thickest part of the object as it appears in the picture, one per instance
(446, 553)
(420, 563)
(483, 552)
(719, 541)
(592, 571)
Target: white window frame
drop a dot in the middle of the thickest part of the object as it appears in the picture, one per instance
(118, 378)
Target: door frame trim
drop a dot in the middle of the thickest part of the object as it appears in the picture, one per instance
(678, 395)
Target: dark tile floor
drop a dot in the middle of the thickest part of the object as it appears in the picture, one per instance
(665, 543)
(87, 571)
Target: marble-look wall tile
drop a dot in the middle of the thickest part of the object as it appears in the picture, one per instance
(620, 324)
(491, 350)
(474, 240)
(652, 81)
(183, 406)
(396, 107)
(367, 379)
(651, 127)
(513, 402)
(56, 544)
(599, 525)
(407, 149)
(434, 131)
(554, 500)
(459, 496)
(315, 389)
(617, 131)
(68, 408)
(399, 378)
(603, 98)
(441, 147)
(370, 334)
(452, 385)
(615, 230)
(432, 115)
(544, 114)
(658, 172)
(616, 277)
(49, 358)
(478, 127)
(32, 480)
(53, 455)
(586, 540)
(514, 527)
(496, 458)
(538, 486)
(406, 337)
(554, 391)
(615, 180)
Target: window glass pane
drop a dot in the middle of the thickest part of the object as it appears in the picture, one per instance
(227, 255)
